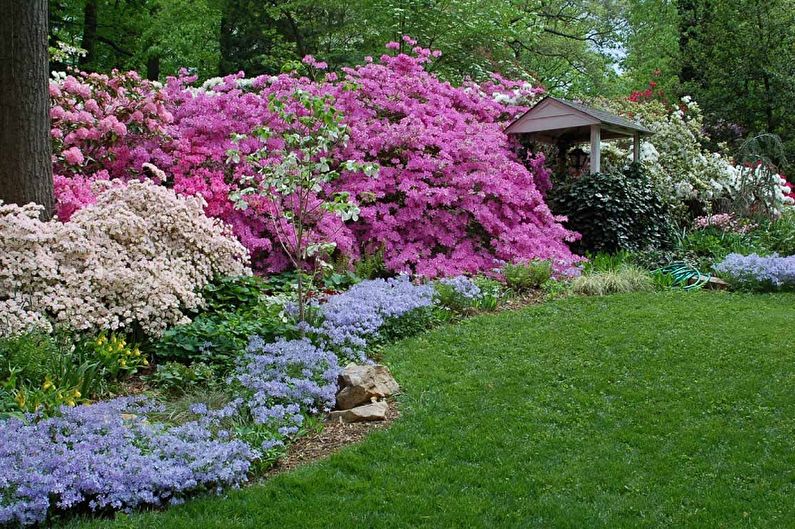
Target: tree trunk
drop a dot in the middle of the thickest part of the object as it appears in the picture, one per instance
(153, 67)
(225, 39)
(25, 150)
(89, 33)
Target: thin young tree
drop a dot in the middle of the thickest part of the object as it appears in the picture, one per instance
(291, 178)
(25, 150)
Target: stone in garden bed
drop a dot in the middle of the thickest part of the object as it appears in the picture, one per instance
(375, 411)
(362, 384)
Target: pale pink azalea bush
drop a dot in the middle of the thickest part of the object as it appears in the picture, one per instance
(138, 257)
(451, 196)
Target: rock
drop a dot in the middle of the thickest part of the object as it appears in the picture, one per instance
(375, 411)
(714, 283)
(362, 384)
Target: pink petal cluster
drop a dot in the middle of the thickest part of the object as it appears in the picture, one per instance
(451, 196)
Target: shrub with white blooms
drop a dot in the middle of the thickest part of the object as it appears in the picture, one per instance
(684, 169)
(137, 257)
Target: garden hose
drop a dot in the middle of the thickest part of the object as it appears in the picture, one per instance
(685, 276)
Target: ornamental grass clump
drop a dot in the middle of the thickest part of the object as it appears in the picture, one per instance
(627, 278)
(755, 272)
(526, 276)
(136, 258)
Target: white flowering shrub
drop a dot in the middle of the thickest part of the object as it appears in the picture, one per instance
(684, 170)
(137, 257)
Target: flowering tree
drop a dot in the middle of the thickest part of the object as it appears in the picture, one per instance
(292, 178)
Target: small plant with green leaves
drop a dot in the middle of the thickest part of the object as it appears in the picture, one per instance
(177, 378)
(522, 277)
(292, 178)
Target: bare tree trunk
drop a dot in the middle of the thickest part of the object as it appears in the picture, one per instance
(153, 67)
(25, 150)
(89, 41)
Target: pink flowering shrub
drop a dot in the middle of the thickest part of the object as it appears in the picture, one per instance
(138, 256)
(451, 196)
(102, 127)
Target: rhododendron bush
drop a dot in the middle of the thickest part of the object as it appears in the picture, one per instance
(137, 256)
(685, 170)
(450, 196)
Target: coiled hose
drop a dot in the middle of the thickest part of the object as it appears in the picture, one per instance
(685, 276)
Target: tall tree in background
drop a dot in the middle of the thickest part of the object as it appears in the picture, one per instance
(25, 149)
(738, 61)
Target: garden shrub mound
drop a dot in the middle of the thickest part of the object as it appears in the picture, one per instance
(451, 196)
(633, 411)
(137, 258)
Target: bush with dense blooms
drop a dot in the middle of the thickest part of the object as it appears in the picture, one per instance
(108, 456)
(757, 272)
(138, 257)
(102, 127)
(451, 196)
(685, 170)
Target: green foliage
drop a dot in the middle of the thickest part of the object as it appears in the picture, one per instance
(526, 276)
(613, 211)
(235, 292)
(663, 281)
(154, 36)
(607, 262)
(704, 247)
(491, 292)
(777, 236)
(625, 279)
(449, 298)
(219, 338)
(371, 266)
(42, 372)
(178, 378)
(339, 281)
(736, 61)
(409, 324)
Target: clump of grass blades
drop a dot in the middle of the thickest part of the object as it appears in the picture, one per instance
(627, 278)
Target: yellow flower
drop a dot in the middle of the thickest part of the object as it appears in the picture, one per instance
(70, 402)
(47, 384)
(20, 398)
(122, 362)
(146, 362)
(76, 394)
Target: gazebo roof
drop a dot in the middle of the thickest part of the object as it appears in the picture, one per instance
(553, 120)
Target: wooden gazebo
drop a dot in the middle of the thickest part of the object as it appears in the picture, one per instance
(565, 123)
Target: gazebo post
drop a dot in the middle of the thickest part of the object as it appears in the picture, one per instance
(636, 146)
(596, 148)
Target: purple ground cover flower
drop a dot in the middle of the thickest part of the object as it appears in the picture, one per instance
(464, 286)
(351, 318)
(756, 271)
(285, 379)
(108, 456)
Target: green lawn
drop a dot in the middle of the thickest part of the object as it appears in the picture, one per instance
(632, 411)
